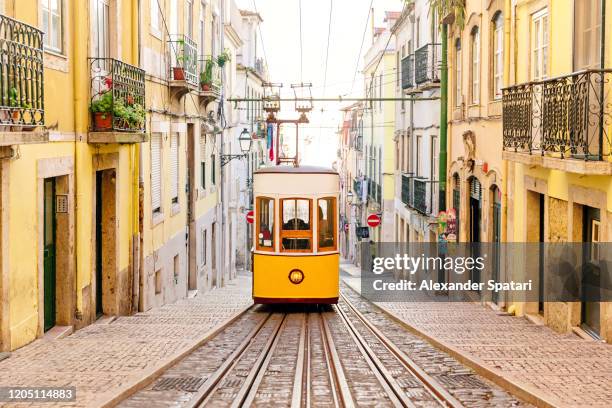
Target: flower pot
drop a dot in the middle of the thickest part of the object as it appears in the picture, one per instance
(5, 121)
(18, 127)
(178, 74)
(103, 121)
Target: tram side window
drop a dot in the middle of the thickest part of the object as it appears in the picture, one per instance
(265, 236)
(327, 218)
(297, 226)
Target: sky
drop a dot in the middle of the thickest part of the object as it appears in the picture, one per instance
(280, 32)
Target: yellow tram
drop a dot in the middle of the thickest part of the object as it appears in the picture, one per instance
(295, 236)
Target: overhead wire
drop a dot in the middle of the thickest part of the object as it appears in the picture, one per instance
(365, 29)
(263, 46)
(301, 44)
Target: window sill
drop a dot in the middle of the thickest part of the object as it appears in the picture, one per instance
(176, 208)
(201, 193)
(157, 219)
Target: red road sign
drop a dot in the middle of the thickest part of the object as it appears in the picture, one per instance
(346, 227)
(250, 217)
(373, 220)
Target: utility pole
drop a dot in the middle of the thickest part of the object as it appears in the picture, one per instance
(443, 119)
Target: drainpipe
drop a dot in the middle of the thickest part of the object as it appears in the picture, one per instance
(443, 119)
(223, 234)
(601, 82)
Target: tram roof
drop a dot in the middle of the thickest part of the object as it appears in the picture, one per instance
(295, 170)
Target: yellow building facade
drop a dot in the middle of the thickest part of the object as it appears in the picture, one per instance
(110, 134)
(557, 141)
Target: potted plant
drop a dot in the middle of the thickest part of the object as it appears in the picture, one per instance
(102, 109)
(206, 76)
(178, 73)
(223, 58)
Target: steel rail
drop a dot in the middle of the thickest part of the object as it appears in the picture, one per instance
(339, 379)
(430, 383)
(213, 381)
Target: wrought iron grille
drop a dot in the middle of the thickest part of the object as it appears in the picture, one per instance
(184, 59)
(406, 190)
(567, 116)
(21, 75)
(427, 64)
(210, 74)
(408, 72)
(357, 189)
(118, 96)
(420, 201)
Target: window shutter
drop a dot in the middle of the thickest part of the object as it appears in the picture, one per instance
(174, 164)
(203, 148)
(475, 189)
(156, 171)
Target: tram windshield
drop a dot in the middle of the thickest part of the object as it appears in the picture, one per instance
(265, 234)
(296, 225)
(326, 223)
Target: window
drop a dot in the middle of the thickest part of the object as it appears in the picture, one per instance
(458, 79)
(189, 18)
(265, 223)
(296, 230)
(100, 28)
(417, 170)
(498, 55)
(204, 247)
(327, 222)
(174, 167)
(215, 33)
(156, 154)
(587, 34)
(539, 45)
(213, 170)
(475, 74)
(203, 161)
(154, 15)
(52, 24)
(434, 157)
(202, 27)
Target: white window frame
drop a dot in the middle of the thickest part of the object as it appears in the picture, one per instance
(475, 65)
(175, 166)
(539, 45)
(155, 18)
(50, 15)
(157, 209)
(498, 55)
(189, 19)
(458, 73)
(101, 50)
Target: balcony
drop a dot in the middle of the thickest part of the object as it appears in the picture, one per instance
(561, 123)
(421, 197)
(117, 103)
(406, 190)
(357, 190)
(427, 65)
(210, 79)
(183, 65)
(408, 72)
(21, 83)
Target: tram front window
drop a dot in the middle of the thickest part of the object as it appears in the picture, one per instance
(265, 223)
(297, 226)
(327, 217)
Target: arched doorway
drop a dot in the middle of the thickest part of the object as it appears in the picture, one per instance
(474, 225)
(495, 200)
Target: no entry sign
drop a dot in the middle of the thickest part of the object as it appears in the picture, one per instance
(373, 220)
(249, 217)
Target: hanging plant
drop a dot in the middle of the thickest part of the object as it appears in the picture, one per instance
(224, 57)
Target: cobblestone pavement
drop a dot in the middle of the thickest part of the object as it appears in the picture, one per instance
(100, 360)
(561, 368)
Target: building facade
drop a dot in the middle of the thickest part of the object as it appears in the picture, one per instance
(417, 124)
(113, 147)
(556, 142)
(378, 129)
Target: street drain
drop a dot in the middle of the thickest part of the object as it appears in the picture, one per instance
(187, 384)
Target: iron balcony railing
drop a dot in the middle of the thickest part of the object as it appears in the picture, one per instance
(118, 96)
(427, 64)
(357, 189)
(567, 116)
(21, 75)
(421, 200)
(184, 59)
(406, 189)
(408, 72)
(210, 74)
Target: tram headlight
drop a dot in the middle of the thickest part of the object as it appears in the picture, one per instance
(296, 276)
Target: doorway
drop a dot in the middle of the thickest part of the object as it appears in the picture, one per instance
(536, 209)
(49, 277)
(107, 288)
(591, 274)
(475, 223)
(192, 282)
(496, 238)
(213, 254)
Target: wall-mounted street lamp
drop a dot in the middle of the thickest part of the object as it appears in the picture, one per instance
(246, 142)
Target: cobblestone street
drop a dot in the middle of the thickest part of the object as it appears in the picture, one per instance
(558, 369)
(104, 360)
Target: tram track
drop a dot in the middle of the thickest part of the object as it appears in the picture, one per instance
(302, 357)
